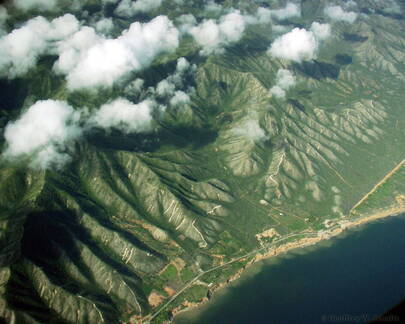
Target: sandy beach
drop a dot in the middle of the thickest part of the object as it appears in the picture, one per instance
(300, 243)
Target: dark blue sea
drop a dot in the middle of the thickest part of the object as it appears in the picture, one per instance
(348, 279)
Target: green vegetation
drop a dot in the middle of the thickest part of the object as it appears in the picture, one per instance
(389, 193)
(195, 293)
(187, 275)
(170, 273)
(91, 241)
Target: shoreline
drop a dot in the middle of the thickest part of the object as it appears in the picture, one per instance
(343, 226)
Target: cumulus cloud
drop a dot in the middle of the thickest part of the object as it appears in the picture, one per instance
(214, 36)
(185, 22)
(300, 44)
(263, 16)
(126, 116)
(104, 25)
(297, 45)
(284, 80)
(212, 7)
(85, 57)
(72, 49)
(182, 65)
(165, 87)
(134, 88)
(130, 117)
(44, 132)
(251, 129)
(62, 27)
(338, 14)
(36, 4)
(22, 47)
(266, 15)
(172, 88)
(128, 8)
(90, 60)
(291, 10)
(279, 29)
(321, 31)
(180, 98)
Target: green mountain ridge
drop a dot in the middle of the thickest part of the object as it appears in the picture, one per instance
(131, 215)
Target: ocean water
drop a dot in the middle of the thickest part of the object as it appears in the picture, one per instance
(350, 278)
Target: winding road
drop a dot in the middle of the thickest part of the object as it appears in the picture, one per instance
(192, 281)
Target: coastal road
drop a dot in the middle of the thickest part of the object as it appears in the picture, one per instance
(192, 281)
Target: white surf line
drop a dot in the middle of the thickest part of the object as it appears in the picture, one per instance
(192, 281)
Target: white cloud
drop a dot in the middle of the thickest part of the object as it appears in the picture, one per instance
(101, 65)
(265, 15)
(207, 35)
(213, 36)
(291, 10)
(338, 14)
(22, 47)
(321, 31)
(180, 98)
(182, 65)
(277, 91)
(165, 88)
(279, 29)
(126, 116)
(134, 88)
(62, 27)
(43, 132)
(212, 7)
(74, 48)
(90, 60)
(284, 80)
(185, 22)
(104, 25)
(232, 26)
(251, 129)
(297, 45)
(36, 4)
(128, 8)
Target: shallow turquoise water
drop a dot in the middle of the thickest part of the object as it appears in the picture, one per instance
(350, 278)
